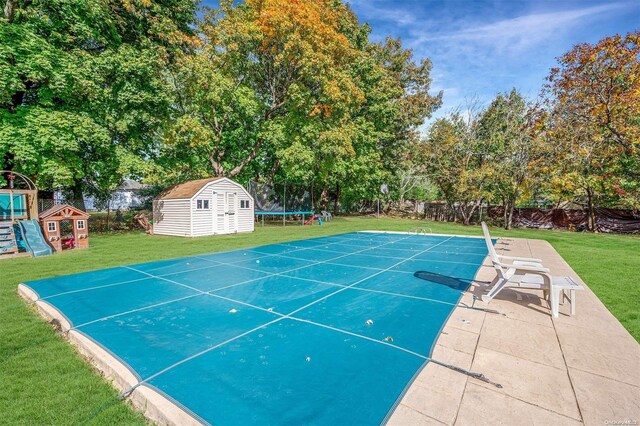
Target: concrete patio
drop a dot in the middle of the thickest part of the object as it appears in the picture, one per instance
(570, 370)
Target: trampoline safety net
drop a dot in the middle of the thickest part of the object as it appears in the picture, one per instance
(279, 197)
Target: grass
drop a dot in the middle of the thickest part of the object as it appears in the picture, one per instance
(44, 381)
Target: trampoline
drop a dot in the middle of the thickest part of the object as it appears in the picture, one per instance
(302, 214)
(327, 331)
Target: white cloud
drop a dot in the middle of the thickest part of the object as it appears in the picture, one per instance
(482, 48)
(519, 33)
(397, 16)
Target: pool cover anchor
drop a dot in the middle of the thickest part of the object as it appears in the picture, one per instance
(126, 393)
(477, 376)
(489, 311)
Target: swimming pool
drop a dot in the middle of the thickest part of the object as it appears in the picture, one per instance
(328, 330)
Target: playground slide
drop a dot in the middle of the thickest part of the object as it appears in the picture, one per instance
(311, 219)
(22, 245)
(32, 235)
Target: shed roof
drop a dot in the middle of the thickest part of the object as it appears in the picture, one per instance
(186, 189)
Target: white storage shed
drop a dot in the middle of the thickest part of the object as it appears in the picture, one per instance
(203, 207)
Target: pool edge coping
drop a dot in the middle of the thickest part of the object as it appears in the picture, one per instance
(428, 234)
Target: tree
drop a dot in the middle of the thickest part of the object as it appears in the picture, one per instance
(382, 129)
(595, 120)
(82, 90)
(264, 69)
(457, 162)
(295, 91)
(398, 101)
(510, 131)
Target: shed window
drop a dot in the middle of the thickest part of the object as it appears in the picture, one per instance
(80, 225)
(245, 204)
(202, 204)
(52, 227)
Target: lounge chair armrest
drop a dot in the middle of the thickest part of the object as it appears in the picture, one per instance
(532, 270)
(524, 268)
(523, 263)
(524, 259)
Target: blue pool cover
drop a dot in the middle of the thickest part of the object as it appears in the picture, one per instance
(326, 331)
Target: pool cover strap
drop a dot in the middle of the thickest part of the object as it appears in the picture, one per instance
(478, 376)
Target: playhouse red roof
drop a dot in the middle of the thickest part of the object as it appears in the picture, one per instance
(64, 210)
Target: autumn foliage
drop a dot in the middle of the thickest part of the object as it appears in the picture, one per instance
(595, 121)
(93, 92)
(294, 90)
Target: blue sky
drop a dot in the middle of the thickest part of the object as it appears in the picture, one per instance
(481, 48)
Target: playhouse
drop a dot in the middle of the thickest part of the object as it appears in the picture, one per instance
(65, 227)
(21, 234)
(203, 207)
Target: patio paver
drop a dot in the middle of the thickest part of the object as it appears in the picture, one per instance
(569, 370)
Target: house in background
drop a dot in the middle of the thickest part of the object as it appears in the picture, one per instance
(126, 197)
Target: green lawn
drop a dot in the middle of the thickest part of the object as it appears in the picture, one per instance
(43, 381)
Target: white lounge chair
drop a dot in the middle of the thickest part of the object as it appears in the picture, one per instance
(529, 273)
(557, 289)
(513, 261)
(501, 258)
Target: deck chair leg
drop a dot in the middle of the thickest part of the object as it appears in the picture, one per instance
(495, 289)
(573, 301)
(494, 282)
(555, 302)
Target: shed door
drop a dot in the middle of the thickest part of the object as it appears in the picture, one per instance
(232, 217)
(219, 213)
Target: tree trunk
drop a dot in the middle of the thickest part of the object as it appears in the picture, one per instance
(505, 215)
(591, 221)
(324, 198)
(510, 216)
(465, 217)
(78, 198)
(216, 166)
(313, 197)
(509, 206)
(468, 215)
(336, 206)
(246, 160)
(9, 9)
